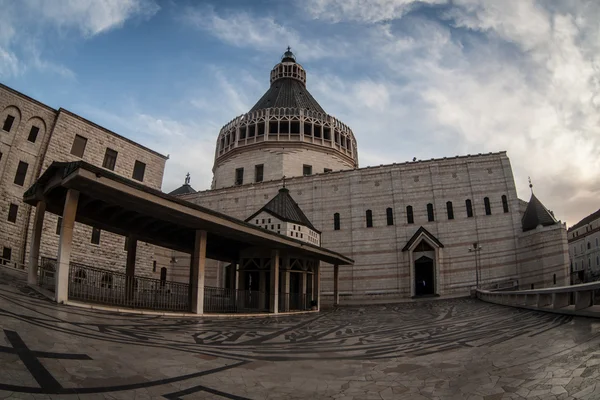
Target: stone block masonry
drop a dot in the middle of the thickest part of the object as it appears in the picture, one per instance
(382, 267)
(53, 141)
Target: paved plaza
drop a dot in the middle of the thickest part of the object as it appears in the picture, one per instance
(446, 349)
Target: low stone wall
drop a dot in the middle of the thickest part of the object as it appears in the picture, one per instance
(583, 300)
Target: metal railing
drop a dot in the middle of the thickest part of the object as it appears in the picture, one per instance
(46, 274)
(220, 300)
(12, 264)
(97, 285)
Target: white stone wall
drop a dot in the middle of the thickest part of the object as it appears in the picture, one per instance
(57, 132)
(380, 264)
(544, 257)
(278, 161)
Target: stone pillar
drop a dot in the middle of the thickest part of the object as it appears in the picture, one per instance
(583, 299)
(262, 290)
(130, 266)
(336, 285)
(61, 290)
(34, 247)
(197, 273)
(274, 282)
(305, 296)
(286, 288)
(317, 284)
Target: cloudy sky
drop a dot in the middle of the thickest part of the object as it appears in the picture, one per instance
(418, 79)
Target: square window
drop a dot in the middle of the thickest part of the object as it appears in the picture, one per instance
(138, 171)
(12, 212)
(95, 236)
(78, 147)
(33, 133)
(258, 173)
(110, 159)
(239, 176)
(8, 123)
(306, 170)
(21, 173)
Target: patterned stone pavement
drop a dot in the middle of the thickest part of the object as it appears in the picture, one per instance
(446, 349)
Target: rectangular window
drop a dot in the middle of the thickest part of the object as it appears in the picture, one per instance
(450, 210)
(258, 172)
(327, 170)
(33, 133)
(336, 221)
(139, 168)
(95, 236)
(6, 255)
(306, 170)
(153, 266)
(58, 225)
(430, 216)
(469, 207)
(390, 216)
(21, 173)
(409, 215)
(78, 147)
(369, 217)
(110, 159)
(8, 123)
(239, 176)
(12, 212)
(488, 208)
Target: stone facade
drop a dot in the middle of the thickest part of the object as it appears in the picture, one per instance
(382, 266)
(54, 141)
(584, 249)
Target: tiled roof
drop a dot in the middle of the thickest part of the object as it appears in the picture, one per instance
(288, 92)
(286, 209)
(536, 214)
(593, 216)
(183, 189)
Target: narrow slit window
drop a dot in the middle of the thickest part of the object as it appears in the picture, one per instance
(409, 215)
(336, 221)
(369, 218)
(488, 208)
(430, 216)
(450, 210)
(390, 216)
(95, 236)
(504, 203)
(469, 207)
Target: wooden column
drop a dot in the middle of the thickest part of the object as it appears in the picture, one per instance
(197, 273)
(34, 248)
(336, 285)
(61, 289)
(130, 266)
(274, 282)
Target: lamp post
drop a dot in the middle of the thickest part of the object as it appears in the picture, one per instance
(476, 249)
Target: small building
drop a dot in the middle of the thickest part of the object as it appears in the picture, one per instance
(584, 249)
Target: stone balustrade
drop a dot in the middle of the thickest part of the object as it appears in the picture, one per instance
(582, 299)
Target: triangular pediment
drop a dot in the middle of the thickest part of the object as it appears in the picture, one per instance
(419, 235)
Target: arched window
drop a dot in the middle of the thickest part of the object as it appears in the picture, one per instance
(469, 207)
(488, 208)
(409, 215)
(430, 216)
(390, 216)
(450, 210)
(336, 221)
(504, 203)
(369, 219)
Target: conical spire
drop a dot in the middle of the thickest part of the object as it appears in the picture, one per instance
(536, 214)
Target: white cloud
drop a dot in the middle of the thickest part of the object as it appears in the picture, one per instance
(91, 17)
(362, 10)
(9, 64)
(263, 33)
(521, 76)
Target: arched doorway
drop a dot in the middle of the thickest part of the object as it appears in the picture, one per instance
(424, 276)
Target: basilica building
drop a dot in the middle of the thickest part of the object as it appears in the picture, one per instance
(415, 228)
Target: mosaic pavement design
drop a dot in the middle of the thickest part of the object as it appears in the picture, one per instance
(446, 349)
